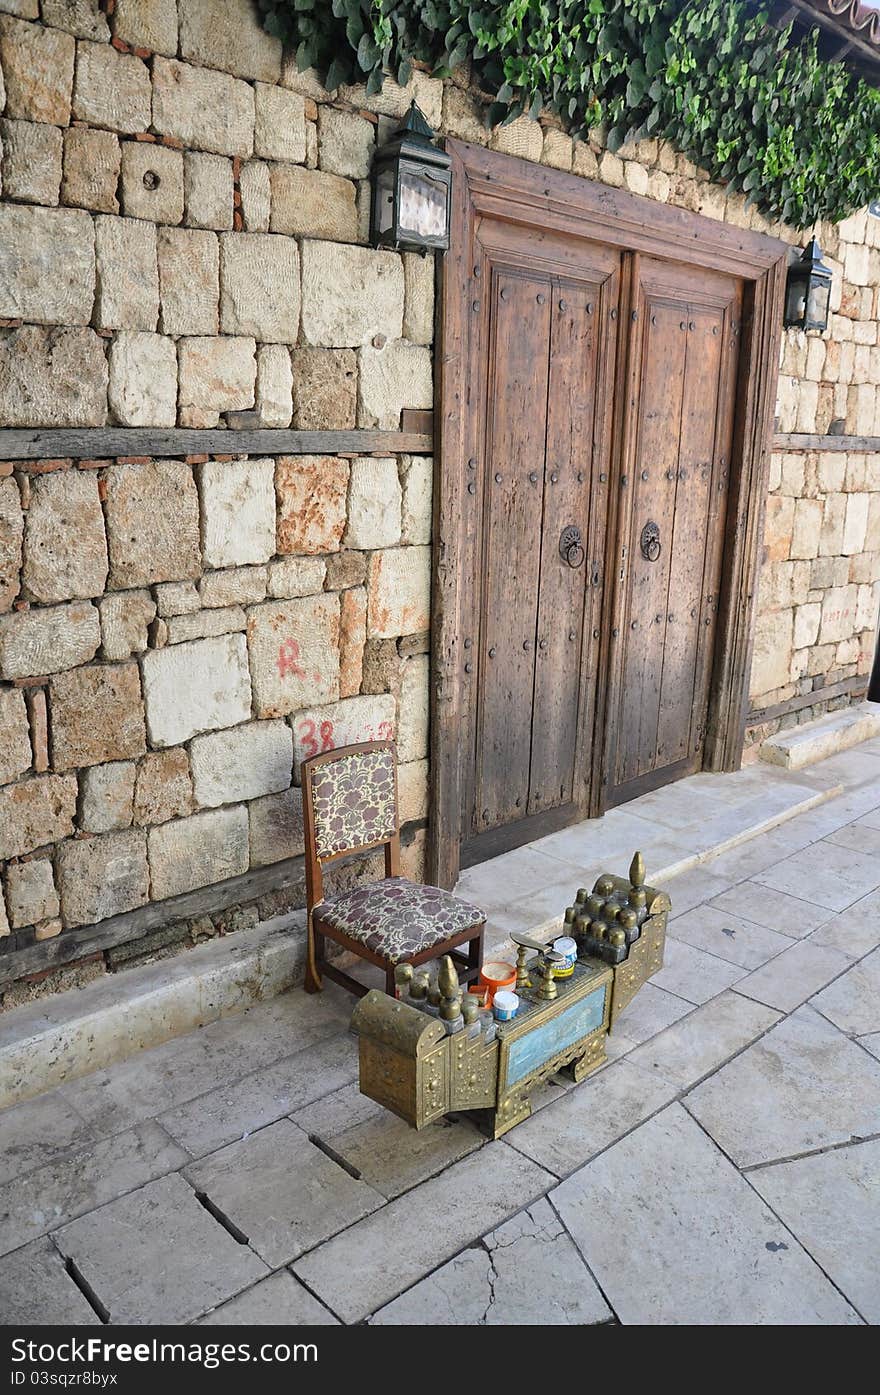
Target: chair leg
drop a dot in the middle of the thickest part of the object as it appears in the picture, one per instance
(314, 960)
(475, 956)
(389, 982)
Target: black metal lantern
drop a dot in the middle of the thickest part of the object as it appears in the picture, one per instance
(808, 290)
(412, 186)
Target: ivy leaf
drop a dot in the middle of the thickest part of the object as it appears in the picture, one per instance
(337, 74)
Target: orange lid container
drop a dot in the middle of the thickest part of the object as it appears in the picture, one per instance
(497, 974)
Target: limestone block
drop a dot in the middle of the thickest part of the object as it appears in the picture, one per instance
(833, 522)
(37, 65)
(128, 277)
(522, 137)
(239, 586)
(91, 169)
(399, 592)
(463, 116)
(208, 191)
(125, 616)
(50, 640)
(11, 534)
(205, 110)
(163, 789)
(36, 812)
(15, 741)
(30, 890)
(374, 503)
(96, 715)
(311, 203)
(807, 528)
(47, 265)
(294, 654)
(143, 380)
(772, 652)
(345, 569)
(220, 621)
(189, 281)
(350, 295)
(557, 150)
(216, 375)
(806, 625)
(112, 89)
(296, 576)
(394, 100)
(274, 385)
(856, 264)
(106, 796)
(368, 718)
(346, 143)
(199, 686)
(227, 34)
(307, 82)
(417, 480)
(152, 516)
(412, 790)
(259, 287)
(418, 306)
(198, 851)
(839, 609)
(256, 197)
(396, 376)
(148, 24)
(585, 161)
(177, 598)
(238, 512)
(83, 18)
(324, 389)
(31, 164)
(352, 638)
(65, 551)
(52, 377)
(778, 527)
(243, 763)
(855, 524)
(280, 124)
(611, 169)
(25, 9)
(276, 827)
(866, 608)
(103, 876)
(152, 182)
(413, 714)
(311, 493)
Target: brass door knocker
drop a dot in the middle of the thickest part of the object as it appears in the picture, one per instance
(571, 548)
(650, 542)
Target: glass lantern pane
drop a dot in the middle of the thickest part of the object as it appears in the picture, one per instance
(422, 204)
(817, 305)
(384, 196)
(795, 302)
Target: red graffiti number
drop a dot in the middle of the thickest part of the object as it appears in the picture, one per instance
(314, 740)
(288, 660)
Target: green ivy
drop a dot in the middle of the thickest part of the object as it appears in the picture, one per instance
(799, 136)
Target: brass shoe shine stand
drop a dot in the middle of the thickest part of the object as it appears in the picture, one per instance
(431, 1053)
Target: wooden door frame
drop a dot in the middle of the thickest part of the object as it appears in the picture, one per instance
(511, 190)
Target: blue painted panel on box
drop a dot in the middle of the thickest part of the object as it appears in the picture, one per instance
(533, 1048)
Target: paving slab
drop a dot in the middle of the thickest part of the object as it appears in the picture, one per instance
(589, 1118)
(852, 1002)
(697, 1245)
(794, 975)
(282, 1192)
(729, 936)
(650, 1011)
(860, 836)
(753, 856)
(366, 1266)
(334, 1112)
(44, 1199)
(871, 819)
(157, 1256)
(36, 1131)
(802, 1087)
(510, 876)
(278, 1300)
(829, 1201)
(773, 909)
(871, 1043)
(693, 888)
(827, 875)
(36, 1289)
(702, 1042)
(693, 974)
(527, 1271)
(856, 932)
(392, 1157)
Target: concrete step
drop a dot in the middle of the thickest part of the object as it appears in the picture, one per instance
(826, 736)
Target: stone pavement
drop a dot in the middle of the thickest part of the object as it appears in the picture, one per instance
(724, 1167)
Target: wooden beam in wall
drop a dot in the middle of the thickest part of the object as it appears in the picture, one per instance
(107, 442)
(798, 442)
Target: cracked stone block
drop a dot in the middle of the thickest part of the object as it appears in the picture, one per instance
(259, 287)
(36, 812)
(324, 389)
(208, 190)
(238, 511)
(148, 24)
(15, 741)
(417, 480)
(152, 516)
(34, 1280)
(106, 797)
(276, 827)
(152, 182)
(103, 876)
(96, 715)
(125, 617)
(374, 503)
(312, 493)
(30, 892)
(204, 110)
(280, 126)
(198, 686)
(37, 67)
(350, 295)
(83, 18)
(47, 265)
(128, 276)
(189, 281)
(198, 851)
(11, 535)
(50, 640)
(235, 587)
(227, 34)
(296, 576)
(396, 376)
(294, 654)
(311, 203)
(112, 89)
(92, 161)
(243, 763)
(316, 729)
(143, 380)
(31, 163)
(52, 377)
(216, 375)
(399, 592)
(256, 199)
(346, 143)
(163, 788)
(65, 550)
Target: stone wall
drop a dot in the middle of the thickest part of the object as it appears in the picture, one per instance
(183, 236)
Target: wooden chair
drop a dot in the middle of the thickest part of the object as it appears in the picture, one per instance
(350, 805)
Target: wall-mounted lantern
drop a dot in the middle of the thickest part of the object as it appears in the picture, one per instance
(412, 185)
(808, 290)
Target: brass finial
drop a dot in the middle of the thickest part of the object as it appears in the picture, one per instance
(637, 870)
(450, 989)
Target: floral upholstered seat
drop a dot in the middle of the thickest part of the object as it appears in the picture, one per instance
(397, 918)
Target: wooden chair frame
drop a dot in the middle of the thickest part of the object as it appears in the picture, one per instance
(467, 965)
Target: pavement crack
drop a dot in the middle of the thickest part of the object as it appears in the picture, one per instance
(86, 1290)
(221, 1218)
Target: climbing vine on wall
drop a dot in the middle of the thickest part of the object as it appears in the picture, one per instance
(799, 136)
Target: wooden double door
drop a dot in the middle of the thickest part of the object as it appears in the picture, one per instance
(601, 390)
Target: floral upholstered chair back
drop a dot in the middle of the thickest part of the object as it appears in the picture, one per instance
(354, 799)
